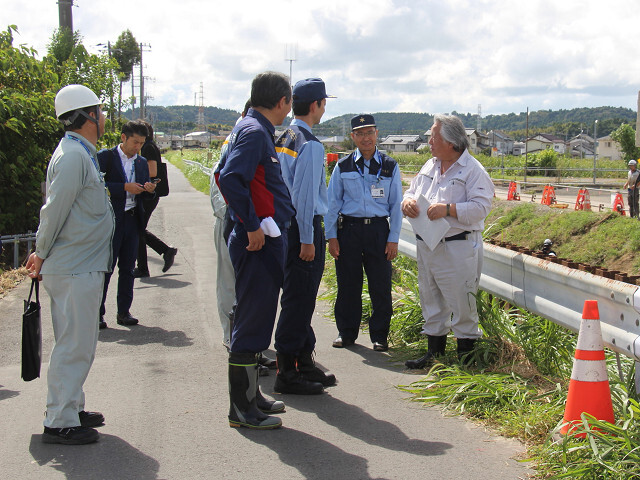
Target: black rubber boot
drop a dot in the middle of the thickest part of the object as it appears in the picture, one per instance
(307, 367)
(289, 380)
(465, 350)
(263, 404)
(243, 385)
(436, 345)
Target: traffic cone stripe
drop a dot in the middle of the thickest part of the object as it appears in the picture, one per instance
(589, 371)
(589, 355)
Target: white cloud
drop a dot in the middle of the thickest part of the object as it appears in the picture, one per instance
(375, 55)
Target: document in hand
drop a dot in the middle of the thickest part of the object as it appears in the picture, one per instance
(431, 231)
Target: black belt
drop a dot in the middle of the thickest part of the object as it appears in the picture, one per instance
(363, 220)
(131, 211)
(458, 236)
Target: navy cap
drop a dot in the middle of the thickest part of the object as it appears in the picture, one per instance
(361, 121)
(310, 90)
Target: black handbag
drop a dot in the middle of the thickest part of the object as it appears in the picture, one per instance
(31, 336)
(162, 188)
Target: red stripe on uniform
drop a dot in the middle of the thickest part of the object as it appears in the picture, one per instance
(261, 196)
(589, 355)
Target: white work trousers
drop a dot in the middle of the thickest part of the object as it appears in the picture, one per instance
(448, 278)
(225, 282)
(75, 305)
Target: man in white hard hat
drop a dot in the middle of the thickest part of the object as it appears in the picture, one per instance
(72, 255)
(632, 188)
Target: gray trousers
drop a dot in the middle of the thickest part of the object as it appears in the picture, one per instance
(75, 305)
(226, 280)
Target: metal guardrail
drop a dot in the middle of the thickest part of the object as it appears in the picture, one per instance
(557, 293)
(15, 240)
(203, 169)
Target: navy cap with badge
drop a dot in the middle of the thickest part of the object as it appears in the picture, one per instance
(310, 90)
(361, 121)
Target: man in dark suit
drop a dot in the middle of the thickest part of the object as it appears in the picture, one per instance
(127, 179)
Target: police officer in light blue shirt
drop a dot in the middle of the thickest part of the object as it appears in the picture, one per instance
(363, 227)
(303, 169)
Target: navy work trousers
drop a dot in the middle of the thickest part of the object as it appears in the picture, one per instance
(259, 277)
(125, 251)
(363, 245)
(294, 333)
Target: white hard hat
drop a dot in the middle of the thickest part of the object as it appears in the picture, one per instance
(74, 97)
(632, 162)
(548, 242)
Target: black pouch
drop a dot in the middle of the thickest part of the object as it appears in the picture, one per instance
(31, 335)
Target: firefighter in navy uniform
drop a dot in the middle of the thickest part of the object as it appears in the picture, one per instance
(363, 227)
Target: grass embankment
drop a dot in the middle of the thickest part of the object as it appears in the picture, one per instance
(521, 368)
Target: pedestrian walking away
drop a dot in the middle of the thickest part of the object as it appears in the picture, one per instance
(458, 189)
(72, 255)
(151, 153)
(303, 169)
(363, 225)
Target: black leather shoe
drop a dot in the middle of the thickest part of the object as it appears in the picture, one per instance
(424, 361)
(70, 435)
(137, 273)
(342, 342)
(126, 319)
(91, 419)
(380, 347)
(169, 257)
(101, 323)
(267, 362)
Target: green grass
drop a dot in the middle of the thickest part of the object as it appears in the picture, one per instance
(197, 179)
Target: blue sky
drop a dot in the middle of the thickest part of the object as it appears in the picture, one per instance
(374, 55)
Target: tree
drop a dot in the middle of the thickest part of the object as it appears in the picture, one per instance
(126, 52)
(62, 44)
(626, 137)
(29, 132)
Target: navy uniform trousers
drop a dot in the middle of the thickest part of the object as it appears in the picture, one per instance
(294, 333)
(363, 245)
(125, 251)
(259, 277)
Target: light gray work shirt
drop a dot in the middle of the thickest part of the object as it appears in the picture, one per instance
(77, 220)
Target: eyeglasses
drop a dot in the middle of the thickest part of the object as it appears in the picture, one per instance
(370, 133)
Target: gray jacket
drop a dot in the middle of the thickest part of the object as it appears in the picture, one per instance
(77, 221)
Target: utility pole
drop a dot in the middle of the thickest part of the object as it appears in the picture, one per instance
(526, 149)
(65, 15)
(142, 98)
(290, 53)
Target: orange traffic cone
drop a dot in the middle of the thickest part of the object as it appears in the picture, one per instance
(589, 387)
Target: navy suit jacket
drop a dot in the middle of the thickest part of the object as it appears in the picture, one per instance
(115, 178)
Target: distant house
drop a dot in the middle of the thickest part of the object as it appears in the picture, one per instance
(581, 146)
(400, 143)
(197, 140)
(519, 148)
(500, 143)
(608, 149)
(332, 142)
(165, 142)
(545, 141)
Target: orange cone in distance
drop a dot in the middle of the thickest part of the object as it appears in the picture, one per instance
(589, 387)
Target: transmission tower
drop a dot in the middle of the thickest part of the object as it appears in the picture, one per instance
(201, 125)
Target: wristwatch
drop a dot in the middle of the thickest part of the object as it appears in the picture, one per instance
(448, 209)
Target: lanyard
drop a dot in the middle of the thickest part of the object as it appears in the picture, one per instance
(362, 173)
(86, 148)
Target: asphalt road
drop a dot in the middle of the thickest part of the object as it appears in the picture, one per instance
(162, 387)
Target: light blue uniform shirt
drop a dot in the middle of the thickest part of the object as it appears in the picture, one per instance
(304, 173)
(350, 194)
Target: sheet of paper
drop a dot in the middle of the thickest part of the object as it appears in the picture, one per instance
(431, 231)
